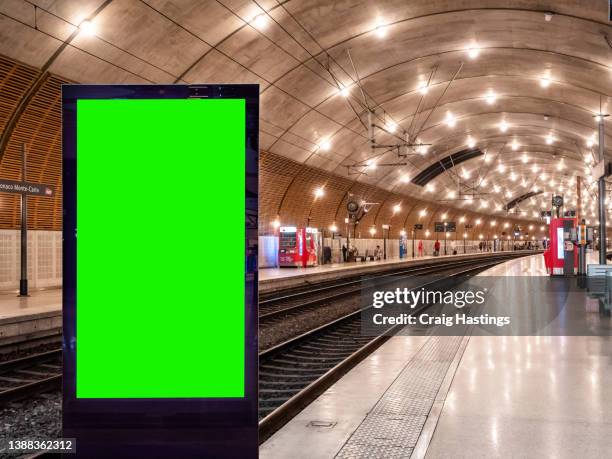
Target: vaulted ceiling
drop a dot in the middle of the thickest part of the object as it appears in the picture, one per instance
(520, 80)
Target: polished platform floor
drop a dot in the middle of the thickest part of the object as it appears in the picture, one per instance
(472, 396)
(39, 302)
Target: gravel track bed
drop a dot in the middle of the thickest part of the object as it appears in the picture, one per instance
(39, 418)
(274, 333)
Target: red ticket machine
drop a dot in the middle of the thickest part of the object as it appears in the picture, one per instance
(561, 255)
(297, 247)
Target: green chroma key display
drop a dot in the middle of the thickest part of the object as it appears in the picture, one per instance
(160, 248)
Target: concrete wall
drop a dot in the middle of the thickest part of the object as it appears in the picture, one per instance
(44, 259)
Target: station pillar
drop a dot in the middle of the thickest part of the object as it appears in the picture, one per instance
(602, 198)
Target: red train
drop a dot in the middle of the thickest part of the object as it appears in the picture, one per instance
(297, 246)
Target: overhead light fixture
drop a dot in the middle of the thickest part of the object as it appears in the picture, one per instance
(487, 158)
(444, 215)
(405, 178)
(525, 158)
(535, 168)
(515, 145)
(371, 163)
(473, 52)
(503, 126)
(429, 188)
(319, 192)
(423, 87)
(87, 28)
(465, 174)
(501, 168)
(484, 182)
(423, 212)
(397, 208)
(471, 143)
(496, 188)
(462, 219)
(490, 97)
(451, 194)
(550, 139)
(545, 82)
(391, 126)
(450, 119)
(380, 29)
(345, 91)
(513, 176)
(325, 145)
(333, 228)
(548, 16)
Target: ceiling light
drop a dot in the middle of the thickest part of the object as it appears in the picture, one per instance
(487, 158)
(548, 16)
(444, 215)
(525, 158)
(545, 82)
(391, 126)
(598, 118)
(508, 194)
(471, 143)
(496, 188)
(451, 194)
(465, 174)
(325, 145)
(450, 119)
(503, 126)
(491, 97)
(381, 29)
(429, 188)
(535, 168)
(523, 183)
(473, 52)
(515, 145)
(345, 91)
(333, 228)
(513, 177)
(484, 182)
(549, 139)
(372, 231)
(506, 225)
(462, 219)
(371, 163)
(478, 221)
(319, 192)
(397, 208)
(560, 165)
(501, 168)
(493, 223)
(87, 28)
(423, 87)
(423, 212)
(405, 178)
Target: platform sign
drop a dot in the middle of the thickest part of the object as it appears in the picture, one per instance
(438, 227)
(31, 189)
(451, 227)
(159, 325)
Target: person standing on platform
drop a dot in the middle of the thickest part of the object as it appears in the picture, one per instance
(453, 248)
(437, 248)
(377, 253)
(420, 248)
(344, 249)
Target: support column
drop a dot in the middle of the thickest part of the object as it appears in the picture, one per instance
(602, 197)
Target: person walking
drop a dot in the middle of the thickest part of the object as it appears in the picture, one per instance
(437, 248)
(420, 248)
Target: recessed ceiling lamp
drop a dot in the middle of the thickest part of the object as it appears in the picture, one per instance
(325, 145)
(450, 119)
(345, 91)
(501, 168)
(496, 188)
(515, 145)
(371, 164)
(545, 81)
(405, 178)
(535, 168)
(87, 28)
(591, 141)
(423, 212)
(548, 16)
(513, 176)
(380, 29)
(423, 87)
(471, 143)
(391, 126)
(484, 182)
(490, 97)
(473, 51)
(451, 194)
(550, 139)
(429, 188)
(503, 126)
(465, 174)
(397, 208)
(525, 158)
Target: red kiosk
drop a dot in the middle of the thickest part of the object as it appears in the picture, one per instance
(561, 256)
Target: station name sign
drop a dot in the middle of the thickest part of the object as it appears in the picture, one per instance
(36, 189)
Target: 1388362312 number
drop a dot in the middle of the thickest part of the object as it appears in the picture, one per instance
(65, 445)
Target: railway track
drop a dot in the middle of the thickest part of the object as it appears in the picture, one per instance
(292, 374)
(274, 309)
(31, 375)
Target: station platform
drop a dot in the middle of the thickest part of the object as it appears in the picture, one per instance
(466, 396)
(23, 319)
(272, 279)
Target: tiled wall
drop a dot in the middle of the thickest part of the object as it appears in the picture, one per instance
(44, 259)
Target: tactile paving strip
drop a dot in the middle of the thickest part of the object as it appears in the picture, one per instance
(392, 428)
